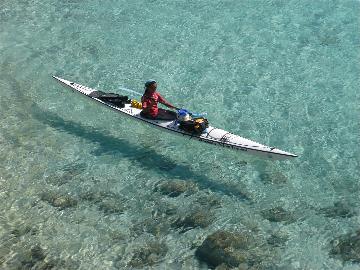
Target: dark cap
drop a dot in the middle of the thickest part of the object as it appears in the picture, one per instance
(149, 82)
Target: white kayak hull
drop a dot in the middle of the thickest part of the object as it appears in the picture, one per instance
(211, 135)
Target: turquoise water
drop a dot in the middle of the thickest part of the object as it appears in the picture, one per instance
(79, 185)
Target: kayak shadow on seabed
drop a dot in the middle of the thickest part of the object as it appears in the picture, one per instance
(108, 144)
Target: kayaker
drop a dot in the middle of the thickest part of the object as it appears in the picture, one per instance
(149, 102)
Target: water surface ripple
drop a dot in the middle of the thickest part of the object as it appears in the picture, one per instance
(82, 188)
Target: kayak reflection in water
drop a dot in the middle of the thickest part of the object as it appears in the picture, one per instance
(149, 102)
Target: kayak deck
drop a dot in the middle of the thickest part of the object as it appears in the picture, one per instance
(210, 135)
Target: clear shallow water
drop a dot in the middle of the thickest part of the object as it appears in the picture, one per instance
(281, 73)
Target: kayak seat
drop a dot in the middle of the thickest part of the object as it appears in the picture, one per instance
(164, 115)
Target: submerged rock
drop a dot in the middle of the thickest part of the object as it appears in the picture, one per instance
(108, 202)
(225, 249)
(197, 218)
(37, 253)
(278, 214)
(36, 258)
(176, 187)
(148, 255)
(155, 226)
(346, 247)
(339, 209)
(58, 180)
(61, 201)
(64, 202)
(31, 257)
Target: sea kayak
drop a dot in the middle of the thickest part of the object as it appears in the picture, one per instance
(210, 135)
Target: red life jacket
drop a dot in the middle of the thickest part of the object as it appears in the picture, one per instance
(149, 103)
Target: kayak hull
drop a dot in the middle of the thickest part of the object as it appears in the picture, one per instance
(211, 135)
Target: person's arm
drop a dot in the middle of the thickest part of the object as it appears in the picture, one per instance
(166, 103)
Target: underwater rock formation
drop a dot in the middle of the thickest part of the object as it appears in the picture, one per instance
(154, 226)
(226, 249)
(35, 257)
(148, 255)
(339, 209)
(60, 201)
(278, 214)
(176, 187)
(198, 218)
(346, 247)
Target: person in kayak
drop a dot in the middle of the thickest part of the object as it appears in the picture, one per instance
(150, 100)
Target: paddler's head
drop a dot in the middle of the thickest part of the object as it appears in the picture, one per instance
(150, 86)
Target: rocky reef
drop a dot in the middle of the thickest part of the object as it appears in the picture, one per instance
(175, 188)
(338, 210)
(226, 249)
(278, 214)
(148, 255)
(35, 257)
(60, 201)
(197, 218)
(155, 226)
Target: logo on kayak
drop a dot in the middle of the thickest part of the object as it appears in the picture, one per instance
(128, 111)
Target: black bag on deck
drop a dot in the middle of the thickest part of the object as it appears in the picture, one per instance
(196, 126)
(112, 98)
